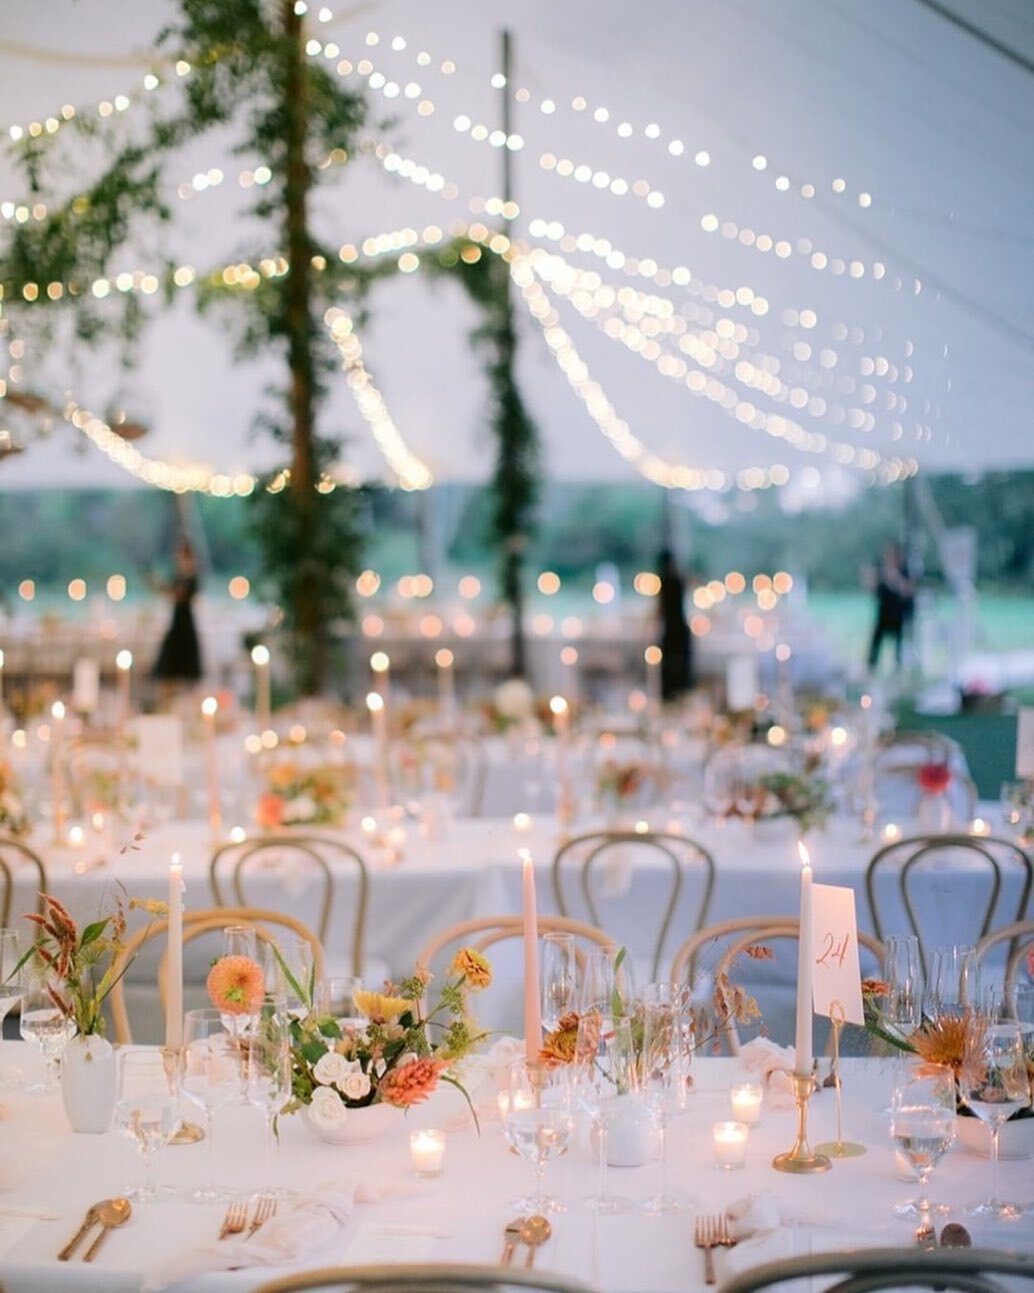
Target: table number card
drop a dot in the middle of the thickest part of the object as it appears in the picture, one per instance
(1025, 742)
(160, 749)
(837, 975)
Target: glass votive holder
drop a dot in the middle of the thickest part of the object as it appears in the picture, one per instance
(745, 1101)
(427, 1151)
(730, 1145)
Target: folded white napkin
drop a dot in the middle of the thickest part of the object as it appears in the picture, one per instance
(774, 1066)
(299, 1230)
(765, 1228)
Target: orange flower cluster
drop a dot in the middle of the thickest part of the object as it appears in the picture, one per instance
(410, 1083)
(235, 985)
(473, 966)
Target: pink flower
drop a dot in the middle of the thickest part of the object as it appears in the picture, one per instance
(235, 985)
(934, 778)
(269, 811)
(410, 1083)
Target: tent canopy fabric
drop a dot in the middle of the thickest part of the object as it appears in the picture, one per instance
(761, 243)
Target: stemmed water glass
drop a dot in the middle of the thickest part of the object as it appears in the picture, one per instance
(922, 1124)
(902, 1009)
(43, 1022)
(147, 1111)
(559, 978)
(10, 991)
(952, 985)
(664, 1069)
(995, 1084)
(606, 1085)
(212, 1078)
(267, 1066)
(538, 1123)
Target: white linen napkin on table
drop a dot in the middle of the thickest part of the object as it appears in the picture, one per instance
(774, 1066)
(766, 1230)
(300, 1230)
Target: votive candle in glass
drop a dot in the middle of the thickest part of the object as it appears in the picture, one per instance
(730, 1145)
(427, 1150)
(745, 1100)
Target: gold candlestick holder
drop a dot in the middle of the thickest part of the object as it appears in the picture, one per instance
(188, 1133)
(839, 1148)
(802, 1158)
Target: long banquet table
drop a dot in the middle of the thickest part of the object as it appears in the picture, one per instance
(460, 1215)
(473, 869)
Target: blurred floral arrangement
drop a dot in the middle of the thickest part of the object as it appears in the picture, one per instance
(933, 778)
(13, 817)
(622, 781)
(398, 1056)
(421, 764)
(511, 705)
(297, 795)
(804, 797)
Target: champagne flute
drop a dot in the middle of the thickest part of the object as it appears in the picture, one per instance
(995, 1084)
(606, 1078)
(559, 978)
(211, 1079)
(538, 1123)
(953, 984)
(922, 1124)
(45, 1023)
(267, 1065)
(290, 973)
(903, 1008)
(147, 1112)
(664, 1066)
(335, 999)
(10, 992)
(240, 940)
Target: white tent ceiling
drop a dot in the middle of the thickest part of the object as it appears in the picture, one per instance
(866, 201)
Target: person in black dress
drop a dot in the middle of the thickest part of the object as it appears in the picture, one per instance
(895, 593)
(179, 657)
(676, 640)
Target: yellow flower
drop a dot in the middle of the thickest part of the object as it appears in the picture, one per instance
(378, 1007)
(473, 966)
(153, 906)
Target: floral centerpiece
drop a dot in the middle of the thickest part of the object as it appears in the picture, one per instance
(625, 782)
(933, 778)
(13, 817)
(512, 705)
(297, 795)
(807, 799)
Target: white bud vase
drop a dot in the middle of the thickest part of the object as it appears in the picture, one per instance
(88, 1082)
(632, 1138)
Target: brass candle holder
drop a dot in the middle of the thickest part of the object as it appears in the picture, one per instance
(188, 1133)
(802, 1158)
(839, 1148)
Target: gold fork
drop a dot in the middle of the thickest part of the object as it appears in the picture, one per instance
(264, 1209)
(235, 1220)
(725, 1239)
(705, 1236)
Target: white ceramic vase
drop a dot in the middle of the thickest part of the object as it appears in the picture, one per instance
(358, 1126)
(88, 1083)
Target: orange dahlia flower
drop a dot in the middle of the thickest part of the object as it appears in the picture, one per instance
(235, 985)
(410, 1083)
(473, 966)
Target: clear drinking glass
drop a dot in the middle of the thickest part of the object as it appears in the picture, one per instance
(10, 993)
(240, 940)
(606, 1081)
(335, 997)
(559, 978)
(995, 1085)
(212, 1078)
(903, 1008)
(605, 983)
(43, 1023)
(922, 1124)
(147, 1111)
(290, 973)
(538, 1124)
(267, 1066)
(665, 1070)
(953, 982)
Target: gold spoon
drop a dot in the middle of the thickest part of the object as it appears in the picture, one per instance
(89, 1220)
(512, 1234)
(111, 1213)
(535, 1231)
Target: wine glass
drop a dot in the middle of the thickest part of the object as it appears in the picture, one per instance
(903, 1006)
(290, 973)
(953, 983)
(267, 1067)
(211, 1078)
(147, 1111)
(335, 999)
(43, 1022)
(240, 940)
(922, 1124)
(606, 1081)
(10, 991)
(607, 982)
(538, 1123)
(559, 978)
(664, 1069)
(995, 1084)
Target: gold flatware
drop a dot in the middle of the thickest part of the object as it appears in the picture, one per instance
(235, 1220)
(511, 1238)
(111, 1215)
(725, 1238)
(535, 1231)
(264, 1209)
(705, 1236)
(90, 1219)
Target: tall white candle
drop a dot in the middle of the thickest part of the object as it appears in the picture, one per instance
(57, 766)
(174, 995)
(569, 660)
(124, 665)
(803, 1060)
(653, 655)
(379, 729)
(86, 685)
(532, 1005)
(263, 694)
(445, 661)
(561, 712)
(2, 713)
(380, 666)
(209, 709)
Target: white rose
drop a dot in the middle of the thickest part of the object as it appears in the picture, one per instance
(326, 1108)
(514, 699)
(355, 1084)
(330, 1068)
(300, 809)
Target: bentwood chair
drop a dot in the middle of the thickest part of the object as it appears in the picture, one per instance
(865, 1270)
(482, 932)
(288, 859)
(607, 864)
(1019, 935)
(730, 939)
(422, 1279)
(205, 920)
(964, 873)
(15, 856)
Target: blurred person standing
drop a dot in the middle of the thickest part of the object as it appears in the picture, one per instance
(894, 590)
(179, 657)
(676, 641)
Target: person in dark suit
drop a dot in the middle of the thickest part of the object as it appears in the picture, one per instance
(676, 639)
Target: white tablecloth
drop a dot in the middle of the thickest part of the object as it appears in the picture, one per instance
(461, 1215)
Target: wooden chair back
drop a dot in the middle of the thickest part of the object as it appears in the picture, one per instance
(14, 855)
